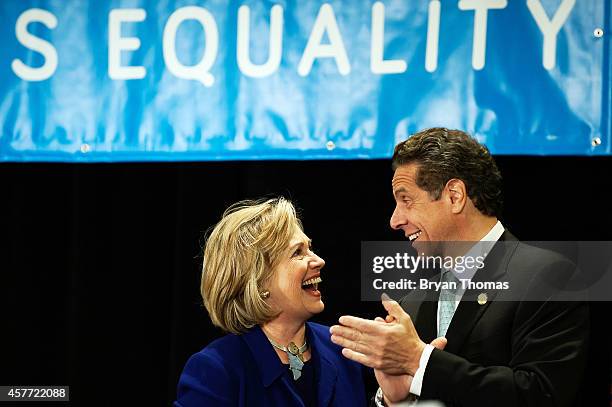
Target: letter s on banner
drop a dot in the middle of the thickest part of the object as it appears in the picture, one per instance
(34, 43)
(199, 71)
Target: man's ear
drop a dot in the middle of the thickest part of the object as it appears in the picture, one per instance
(457, 193)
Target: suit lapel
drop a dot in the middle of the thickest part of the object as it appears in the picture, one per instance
(327, 381)
(422, 306)
(426, 318)
(272, 369)
(269, 365)
(470, 310)
(328, 373)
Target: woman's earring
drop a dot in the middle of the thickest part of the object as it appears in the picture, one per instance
(265, 294)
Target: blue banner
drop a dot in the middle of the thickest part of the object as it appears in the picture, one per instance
(215, 80)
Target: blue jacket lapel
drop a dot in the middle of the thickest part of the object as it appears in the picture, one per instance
(269, 365)
(271, 368)
(328, 373)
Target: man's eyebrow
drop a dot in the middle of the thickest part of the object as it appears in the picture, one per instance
(399, 191)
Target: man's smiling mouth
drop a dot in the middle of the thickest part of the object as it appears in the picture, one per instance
(412, 237)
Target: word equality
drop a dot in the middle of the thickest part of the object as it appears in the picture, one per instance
(324, 41)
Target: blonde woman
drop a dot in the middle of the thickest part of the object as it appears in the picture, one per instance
(260, 284)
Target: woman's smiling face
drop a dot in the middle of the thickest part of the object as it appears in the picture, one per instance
(294, 285)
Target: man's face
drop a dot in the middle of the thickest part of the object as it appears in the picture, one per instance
(420, 217)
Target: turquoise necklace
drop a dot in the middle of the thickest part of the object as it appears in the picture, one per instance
(295, 354)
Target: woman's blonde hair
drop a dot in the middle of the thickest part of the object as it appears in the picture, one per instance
(240, 256)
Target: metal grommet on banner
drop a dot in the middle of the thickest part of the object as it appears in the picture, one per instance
(596, 142)
(482, 298)
(330, 145)
(598, 32)
(85, 148)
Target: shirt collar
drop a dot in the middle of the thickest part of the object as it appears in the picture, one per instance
(482, 249)
(494, 234)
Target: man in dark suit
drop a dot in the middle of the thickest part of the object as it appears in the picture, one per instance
(503, 347)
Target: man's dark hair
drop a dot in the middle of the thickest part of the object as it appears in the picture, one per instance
(443, 154)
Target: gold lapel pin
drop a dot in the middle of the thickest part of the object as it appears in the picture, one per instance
(482, 298)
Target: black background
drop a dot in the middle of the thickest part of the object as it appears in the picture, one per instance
(100, 263)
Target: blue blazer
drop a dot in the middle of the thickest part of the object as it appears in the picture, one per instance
(244, 370)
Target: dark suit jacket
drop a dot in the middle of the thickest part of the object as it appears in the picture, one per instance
(508, 352)
(244, 370)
